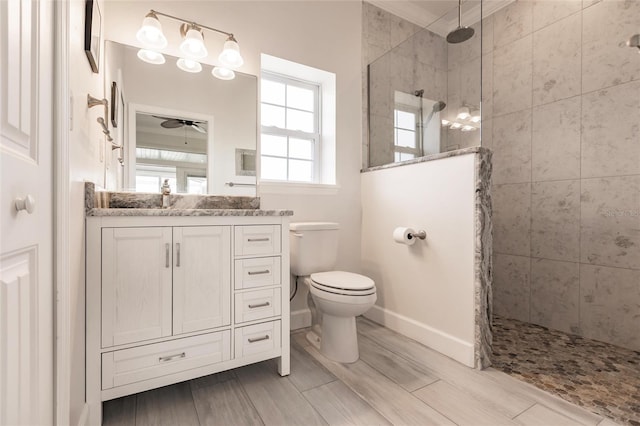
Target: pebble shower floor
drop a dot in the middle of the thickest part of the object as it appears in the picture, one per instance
(600, 377)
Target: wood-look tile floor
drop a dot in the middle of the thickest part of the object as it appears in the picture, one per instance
(396, 381)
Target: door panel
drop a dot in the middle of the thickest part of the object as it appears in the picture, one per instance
(201, 278)
(26, 235)
(136, 284)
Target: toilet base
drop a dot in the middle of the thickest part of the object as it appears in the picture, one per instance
(339, 340)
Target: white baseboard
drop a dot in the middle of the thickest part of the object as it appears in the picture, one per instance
(84, 416)
(300, 319)
(440, 341)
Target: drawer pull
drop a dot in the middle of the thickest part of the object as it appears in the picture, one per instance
(259, 339)
(259, 305)
(255, 240)
(178, 255)
(172, 357)
(266, 271)
(166, 255)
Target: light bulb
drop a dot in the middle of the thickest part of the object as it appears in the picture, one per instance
(463, 113)
(151, 57)
(223, 73)
(230, 56)
(475, 116)
(446, 123)
(455, 125)
(193, 44)
(468, 128)
(150, 34)
(189, 65)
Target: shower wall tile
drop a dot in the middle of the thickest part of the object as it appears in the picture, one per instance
(610, 222)
(381, 140)
(401, 76)
(400, 30)
(556, 140)
(430, 49)
(605, 26)
(555, 220)
(546, 12)
(512, 23)
(487, 86)
(512, 219)
(555, 294)
(556, 60)
(609, 306)
(487, 35)
(611, 131)
(512, 148)
(512, 77)
(487, 133)
(470, 84)
(380, 94)
(377, 26)
(511, 286)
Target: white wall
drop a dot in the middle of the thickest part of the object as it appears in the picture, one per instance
(320, 34)
(425, 291)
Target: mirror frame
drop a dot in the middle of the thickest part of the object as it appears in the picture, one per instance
(130, 154)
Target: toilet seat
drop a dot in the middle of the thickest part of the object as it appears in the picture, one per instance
(343, 283)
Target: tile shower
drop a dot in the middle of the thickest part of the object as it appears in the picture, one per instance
(561, 112)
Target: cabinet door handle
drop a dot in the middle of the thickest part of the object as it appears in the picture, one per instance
(255, 240)
(172, 357)
(266, 271)
(259, 305)
(167, 248)
(177, 255)
(259, 339)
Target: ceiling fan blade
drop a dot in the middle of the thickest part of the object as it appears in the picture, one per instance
(198, 128)
(172, 123)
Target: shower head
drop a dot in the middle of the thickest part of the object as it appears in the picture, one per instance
(419, 93)
(439, 106)
(461, 33)
(634, 41)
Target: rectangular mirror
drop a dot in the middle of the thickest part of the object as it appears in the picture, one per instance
(185, 127)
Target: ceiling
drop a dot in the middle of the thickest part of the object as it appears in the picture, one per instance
(440, 16)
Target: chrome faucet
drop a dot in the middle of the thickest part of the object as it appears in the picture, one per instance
(166, 192)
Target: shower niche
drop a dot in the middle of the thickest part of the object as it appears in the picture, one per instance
(423, 93)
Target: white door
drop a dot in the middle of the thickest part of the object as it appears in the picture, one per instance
(26, 275)
(201, 278)
(136, 284)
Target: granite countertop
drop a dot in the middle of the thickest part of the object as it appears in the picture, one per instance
(185, 212)
(432, 157)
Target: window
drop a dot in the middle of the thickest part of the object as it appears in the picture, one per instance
(290, 140)
(406, 133)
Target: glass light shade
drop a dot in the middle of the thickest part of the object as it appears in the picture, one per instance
(150, 34)
(463, 113)
(151, 57)
(468, 128)
(189, 65)
(223, 73)
(446, 123)
(456, 125)
(230, 56)
(193, 45)
(475, 116)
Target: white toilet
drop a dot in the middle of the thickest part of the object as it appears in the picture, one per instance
(338, 296)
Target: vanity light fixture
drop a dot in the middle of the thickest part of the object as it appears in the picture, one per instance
(467, 128)
(463, 113)
(456, 125)
(151, 57)
(192, 46)
(223, 73)
(189, 65)
(475, 116)
(446, 123)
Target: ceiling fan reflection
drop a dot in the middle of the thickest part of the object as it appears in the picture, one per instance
(174, 123)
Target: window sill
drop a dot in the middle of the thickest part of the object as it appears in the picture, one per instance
(298, 188)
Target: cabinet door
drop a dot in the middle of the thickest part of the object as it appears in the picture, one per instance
(201, 278)
(136, 284)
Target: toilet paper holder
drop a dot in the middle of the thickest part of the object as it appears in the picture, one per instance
(421, 234)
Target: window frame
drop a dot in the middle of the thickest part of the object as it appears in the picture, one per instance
(416, 111)
(315, 137)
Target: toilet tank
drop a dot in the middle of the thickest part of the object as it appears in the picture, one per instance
(314, 247)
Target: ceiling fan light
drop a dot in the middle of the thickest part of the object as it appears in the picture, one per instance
(150, 33)
(189, 65)
(230, 56)
(193, 44)
(151, 57)
(223, 73)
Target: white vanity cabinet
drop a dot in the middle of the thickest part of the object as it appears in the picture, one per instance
(171, 298)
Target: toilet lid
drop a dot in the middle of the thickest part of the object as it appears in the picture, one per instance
(340, 280)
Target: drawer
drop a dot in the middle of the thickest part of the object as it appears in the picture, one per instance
(260, 272)
(258, 338)
(257, 239)
(160, 359)
(257, 304)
